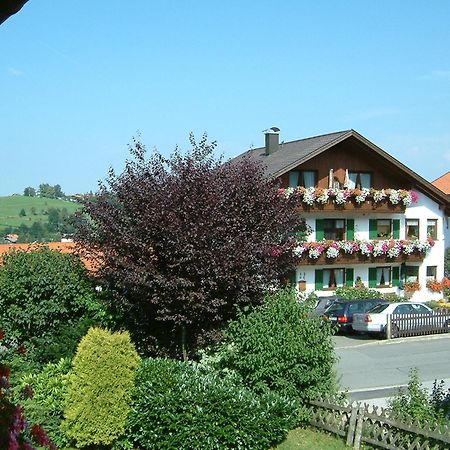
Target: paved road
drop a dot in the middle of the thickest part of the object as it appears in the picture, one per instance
(373, 369)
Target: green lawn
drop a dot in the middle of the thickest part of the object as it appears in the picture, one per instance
(311, 439)
(11, 206)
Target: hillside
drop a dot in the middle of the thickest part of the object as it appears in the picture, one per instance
(18, 212)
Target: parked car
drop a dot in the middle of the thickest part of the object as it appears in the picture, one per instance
(375, 319)
(322, 304)
(340, 312)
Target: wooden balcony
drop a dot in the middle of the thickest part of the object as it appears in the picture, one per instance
(368, 206)
(358, 258)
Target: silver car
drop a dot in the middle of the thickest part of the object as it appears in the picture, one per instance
(375, 320)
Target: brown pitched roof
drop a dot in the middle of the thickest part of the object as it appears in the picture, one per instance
(291, 154)
(443, 183)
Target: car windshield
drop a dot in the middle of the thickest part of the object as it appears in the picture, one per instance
(379, 308)
(335, 308)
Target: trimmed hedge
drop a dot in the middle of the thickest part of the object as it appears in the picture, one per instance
(100, 388)
(178, 405)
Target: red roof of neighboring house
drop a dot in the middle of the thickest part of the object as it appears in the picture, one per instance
(63, 247)
(443, 183)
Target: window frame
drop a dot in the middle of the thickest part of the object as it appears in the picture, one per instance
(359, 173)
(432, 277)
(408, 275)
(410, 238)
(389, 235)
(334, 229)
(434, 236)
(333, 269)
(387, 284)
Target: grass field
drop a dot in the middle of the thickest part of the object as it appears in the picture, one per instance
(35, 208)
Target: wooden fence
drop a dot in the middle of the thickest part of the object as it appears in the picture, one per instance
(362, 423)
(402, 325)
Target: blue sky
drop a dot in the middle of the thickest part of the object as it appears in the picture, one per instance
(79, 78)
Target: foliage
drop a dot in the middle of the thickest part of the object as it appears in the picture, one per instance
(185, 240)
(41, 293)
(416, 404)
(310, 438)
(15, 431)
(100, 387)
(280, 347)
(180, 405)
(356, 293)
(43, 398)
(48, 191)
(29, 192)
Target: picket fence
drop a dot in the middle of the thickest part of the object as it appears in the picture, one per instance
(364, 423)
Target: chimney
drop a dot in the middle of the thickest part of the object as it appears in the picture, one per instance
(272, 140)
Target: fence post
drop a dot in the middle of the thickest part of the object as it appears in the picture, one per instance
(358, 429)
(351, 425)
(388, 327)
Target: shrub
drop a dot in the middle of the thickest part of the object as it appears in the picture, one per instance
(43, 398)
(279, 346)
(356, 293)
(100, 387)
(417, 404)
(178, 405)
(41, 292)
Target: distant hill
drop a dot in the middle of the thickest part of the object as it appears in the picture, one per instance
(17, 211)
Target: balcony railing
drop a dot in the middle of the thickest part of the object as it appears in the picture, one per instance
(359, 252)
(366, 200)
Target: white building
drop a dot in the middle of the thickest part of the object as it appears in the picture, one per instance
(373, 220)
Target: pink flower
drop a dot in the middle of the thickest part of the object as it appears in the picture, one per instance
(414, 196)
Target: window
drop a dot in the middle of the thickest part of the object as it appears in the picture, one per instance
(432, 228)
(333, 278)
(334, 229)
(412, 228)
(431, 273)
(359, 180)
(384, 227)
(304, 178)
(383, 276)
(412, 273)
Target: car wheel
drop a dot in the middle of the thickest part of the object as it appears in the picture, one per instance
(394, 331)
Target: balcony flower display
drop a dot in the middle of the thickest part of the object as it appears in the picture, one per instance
(320, 196)
(390, 248)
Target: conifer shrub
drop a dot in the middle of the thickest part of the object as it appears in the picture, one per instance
(179, 405)
(100, 388)
(280, 347)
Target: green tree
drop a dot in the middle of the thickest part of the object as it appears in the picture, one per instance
(22, 213)
(46, 190)
(279, 347)
(29, 192)
(447, 263)
(41, 293)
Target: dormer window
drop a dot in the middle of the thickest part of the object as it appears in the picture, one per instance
(359, 180)
(303, 178)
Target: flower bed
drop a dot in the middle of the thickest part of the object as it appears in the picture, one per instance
(390, 249)
(318, 196)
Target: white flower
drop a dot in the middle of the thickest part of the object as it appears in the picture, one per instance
(288, 192)
(323, 197)
(309, 196)
(378, 196)
(332, 252)
(394, 197)
(407, 199)
(393, 252)
(298, 251)
(365, 248)
(362, 196)
(314, 253)
(340, 198)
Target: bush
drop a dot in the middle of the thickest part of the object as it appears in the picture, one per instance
(280, 347)
(100, 387)
(41, 292)
(43, 398)
(178, 405)
(416, 404)
(356, 293)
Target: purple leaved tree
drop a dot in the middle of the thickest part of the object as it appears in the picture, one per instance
(185, 241)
